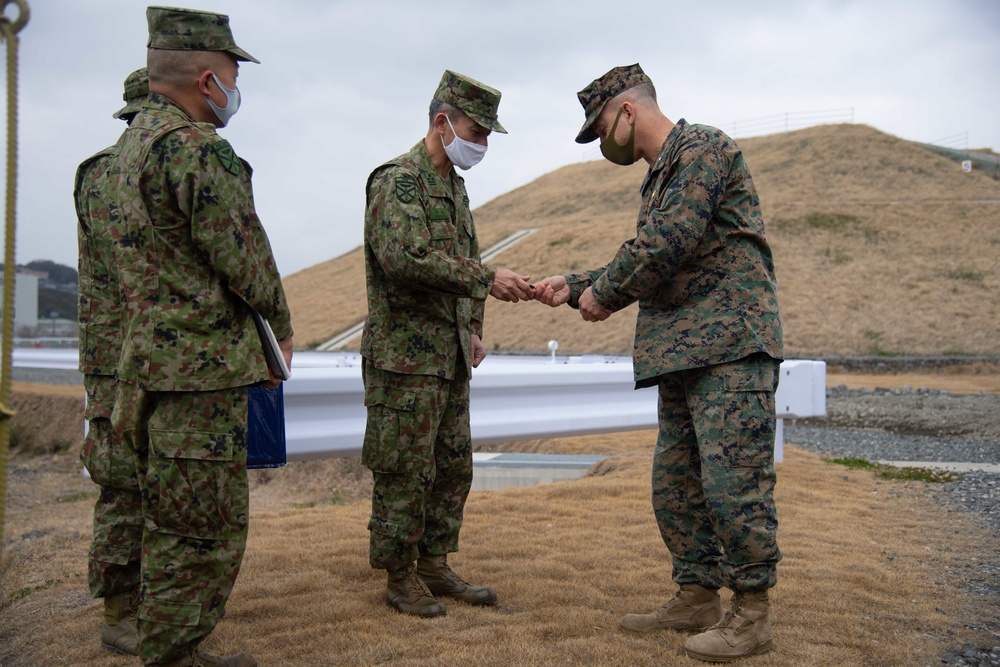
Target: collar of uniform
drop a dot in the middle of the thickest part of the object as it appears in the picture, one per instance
(161, 102)
(436, 187)
(665, 152)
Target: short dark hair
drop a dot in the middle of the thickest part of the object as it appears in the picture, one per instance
(437, 106)
(642, 93)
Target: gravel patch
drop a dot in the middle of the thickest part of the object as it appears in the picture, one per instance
(46, 375)
(904, 424)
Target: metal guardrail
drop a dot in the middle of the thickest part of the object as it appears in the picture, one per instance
(514, 398)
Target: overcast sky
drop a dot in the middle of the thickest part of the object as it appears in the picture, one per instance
(344, 86)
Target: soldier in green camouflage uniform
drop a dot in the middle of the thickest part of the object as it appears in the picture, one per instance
(113, 564)
(194, 263)
(709, 336)
(423, 335)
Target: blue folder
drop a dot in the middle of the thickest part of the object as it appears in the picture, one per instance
(266, 430)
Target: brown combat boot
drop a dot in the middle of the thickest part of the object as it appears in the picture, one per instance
(238, 660)
(440, 579)
(200, 659)
(746, 630)
(118, 633)
(694, 607)
(406, 593)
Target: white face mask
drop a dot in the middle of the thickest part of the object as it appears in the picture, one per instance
(233, 100)
(463, 154)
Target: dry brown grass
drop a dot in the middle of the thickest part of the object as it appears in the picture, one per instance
(881, 247)
(49, 417)
(864, 581)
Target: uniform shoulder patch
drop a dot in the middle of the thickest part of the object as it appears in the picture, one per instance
(406, 188)
(228, 157)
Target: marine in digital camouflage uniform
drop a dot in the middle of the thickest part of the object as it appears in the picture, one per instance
(422, 337)
(194, 263)
(709, 337)
(113, 563)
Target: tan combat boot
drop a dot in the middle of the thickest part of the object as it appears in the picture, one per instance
(442, 580)
(694, 607)
(200, 659)
(238, 660)
(118, 633)
(406, 593)
(746, 630)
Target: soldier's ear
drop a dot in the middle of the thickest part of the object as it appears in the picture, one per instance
(440, 122)
(202, 82)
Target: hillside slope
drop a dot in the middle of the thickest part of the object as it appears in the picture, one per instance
(881, 247)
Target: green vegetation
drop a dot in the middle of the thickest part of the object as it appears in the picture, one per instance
(966, 274)
(884, 471)
(26, 591)
(875, 349)
(75, 497)
(830, 221)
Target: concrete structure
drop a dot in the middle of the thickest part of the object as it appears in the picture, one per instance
(25, 300)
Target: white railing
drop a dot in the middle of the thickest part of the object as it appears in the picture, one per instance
(513, 398)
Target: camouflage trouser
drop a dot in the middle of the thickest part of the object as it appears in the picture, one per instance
(113, 563)
(419, 448)
(191, 450)
(713, 473)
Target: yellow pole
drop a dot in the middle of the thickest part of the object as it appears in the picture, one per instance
(8, 33)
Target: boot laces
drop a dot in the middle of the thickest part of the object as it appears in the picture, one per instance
(414, 584)
(453, 576)
(132, 606)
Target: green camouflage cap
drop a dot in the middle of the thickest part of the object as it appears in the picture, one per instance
(180, 29)
(596, 95)
(478, 101)
(136, 89)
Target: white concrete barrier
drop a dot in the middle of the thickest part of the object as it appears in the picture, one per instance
(513, 398)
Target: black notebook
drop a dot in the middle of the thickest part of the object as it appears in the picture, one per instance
(275, 359)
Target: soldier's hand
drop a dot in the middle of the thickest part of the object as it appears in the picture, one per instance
(590, 310)
(286, 352)
(510, 286)
(478, 351)
(553, 291)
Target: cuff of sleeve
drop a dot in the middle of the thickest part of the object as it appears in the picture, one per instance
(606, 295)
(489, 276)
(283, 329)
(578, 284)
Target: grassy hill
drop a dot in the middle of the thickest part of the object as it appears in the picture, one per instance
(881, 247)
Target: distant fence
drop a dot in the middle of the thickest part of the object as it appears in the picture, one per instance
(987, 162)
(789, 120)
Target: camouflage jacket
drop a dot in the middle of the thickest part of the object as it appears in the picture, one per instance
(97, 293)
(699, 266)
(192, 256)
(426, 284)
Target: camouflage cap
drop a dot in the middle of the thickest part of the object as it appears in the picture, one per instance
(478, 101)
(136, 89)
(178, 29)
(596, 95)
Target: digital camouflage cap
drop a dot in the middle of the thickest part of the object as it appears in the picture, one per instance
(478, 101)
(136, 90)
(178, 29)
(596, 95)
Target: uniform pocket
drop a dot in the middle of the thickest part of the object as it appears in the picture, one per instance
(165, 612)
(749, 416)
(388, 409)
(195, 487)
(441, 233)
